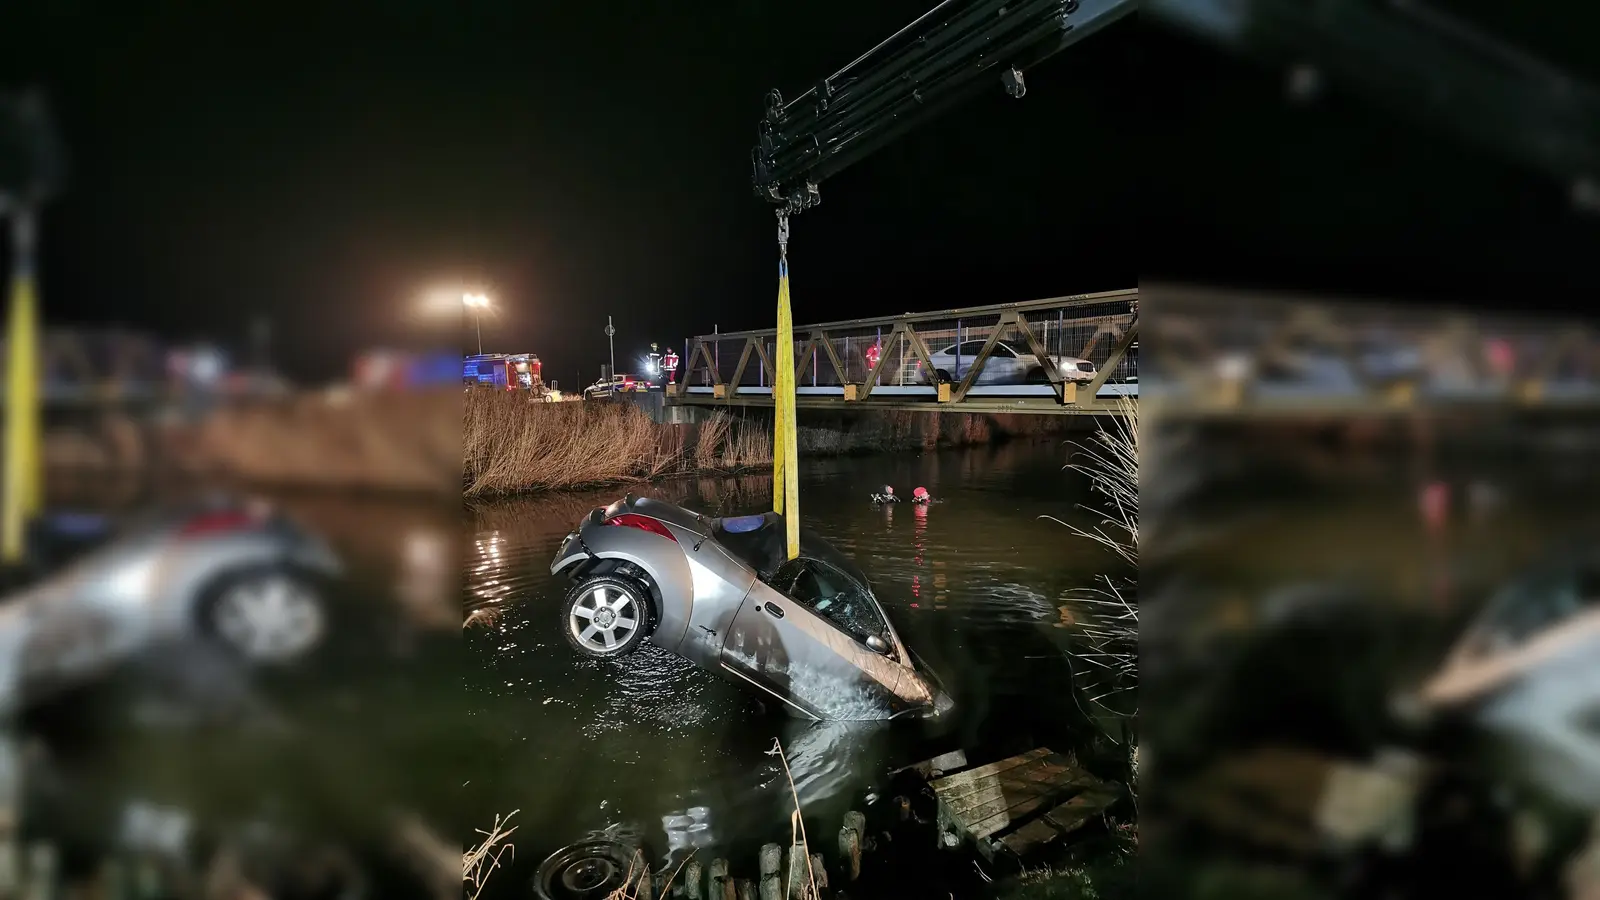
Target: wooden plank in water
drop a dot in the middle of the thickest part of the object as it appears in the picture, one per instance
(952, 781)
(1071, 815)
(958, 790)
(1018, 810)
(1061, 821)
(936, 767)
(991, 799)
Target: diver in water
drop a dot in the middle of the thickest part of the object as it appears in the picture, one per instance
(921, 497)
(885, 496)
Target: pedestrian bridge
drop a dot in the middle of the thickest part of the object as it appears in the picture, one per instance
(981, 359)
(1224, 353)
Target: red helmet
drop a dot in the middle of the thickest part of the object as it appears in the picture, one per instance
(920, 493)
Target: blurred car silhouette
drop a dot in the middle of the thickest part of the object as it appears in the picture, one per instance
(721, 593)
(237, 576)
(1005, 365)
(1527, 672)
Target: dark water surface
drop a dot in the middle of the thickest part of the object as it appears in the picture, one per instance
(647, 745)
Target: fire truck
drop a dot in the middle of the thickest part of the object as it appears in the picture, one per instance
(505, 372)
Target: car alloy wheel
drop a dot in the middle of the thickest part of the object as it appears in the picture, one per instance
(605, 616)
(269, 617)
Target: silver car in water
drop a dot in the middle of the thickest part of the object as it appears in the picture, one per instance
(721, 593)
(235, 575)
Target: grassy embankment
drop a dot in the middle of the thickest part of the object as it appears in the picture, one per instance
(510, 445)
(382, 442)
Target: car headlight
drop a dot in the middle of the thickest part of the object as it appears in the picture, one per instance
(133, 580)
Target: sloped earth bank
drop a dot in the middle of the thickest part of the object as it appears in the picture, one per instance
(977, 583)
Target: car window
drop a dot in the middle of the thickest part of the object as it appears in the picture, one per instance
(948, 351)
(832, 595)
(972, 348)
(1003, 351)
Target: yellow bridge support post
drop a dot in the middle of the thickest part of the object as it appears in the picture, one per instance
(785, 443)
(22, 495)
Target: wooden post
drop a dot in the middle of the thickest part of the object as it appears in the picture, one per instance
(771, 881)
(797, 873)
(694, 879)
(718, 885)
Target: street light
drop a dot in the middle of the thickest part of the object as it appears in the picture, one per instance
(477, 303)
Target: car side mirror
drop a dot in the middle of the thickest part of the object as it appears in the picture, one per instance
(877, 645)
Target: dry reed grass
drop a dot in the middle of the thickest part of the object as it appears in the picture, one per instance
(479, 861)
(1113, 635)
(384, 442)
(513, 445)
(797, 832)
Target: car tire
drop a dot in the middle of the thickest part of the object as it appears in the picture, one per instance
(623, 626)
(1038, 376)
(267, 616)
(942, 377)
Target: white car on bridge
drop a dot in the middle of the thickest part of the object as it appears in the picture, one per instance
(1005, 365)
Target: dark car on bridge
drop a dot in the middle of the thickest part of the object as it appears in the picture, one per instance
(721, 593)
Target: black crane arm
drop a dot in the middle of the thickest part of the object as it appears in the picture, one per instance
(954, 50)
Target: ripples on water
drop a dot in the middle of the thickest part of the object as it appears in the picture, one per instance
(973, 584)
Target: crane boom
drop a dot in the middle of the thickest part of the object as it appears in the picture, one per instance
(954, 50)
(1420, 62)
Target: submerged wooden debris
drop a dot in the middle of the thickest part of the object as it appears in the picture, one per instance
(1306, 802)
(1021, 804)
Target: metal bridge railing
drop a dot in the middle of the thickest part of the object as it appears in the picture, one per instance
(1004, 357)
(1226, 352)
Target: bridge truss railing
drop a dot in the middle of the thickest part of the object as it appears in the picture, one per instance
(1221, 352)
(832, 359)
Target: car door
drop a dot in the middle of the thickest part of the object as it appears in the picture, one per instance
(810, 659)
(1002, 366)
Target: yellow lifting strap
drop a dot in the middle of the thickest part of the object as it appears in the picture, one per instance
(785, 443)
(22, 493)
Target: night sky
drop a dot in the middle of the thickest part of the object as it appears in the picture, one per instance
(349, 169)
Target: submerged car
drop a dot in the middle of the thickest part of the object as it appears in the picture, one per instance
(721, 593)
(100, 592)
(1527, 671)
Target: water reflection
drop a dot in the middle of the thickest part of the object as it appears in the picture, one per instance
(827, 759)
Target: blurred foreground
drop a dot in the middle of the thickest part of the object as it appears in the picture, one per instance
(1371, 641)
(180, 768)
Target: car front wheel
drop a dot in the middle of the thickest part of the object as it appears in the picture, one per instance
(605, 616)
(267, 616)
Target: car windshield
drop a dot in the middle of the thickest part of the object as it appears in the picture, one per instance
(1531, 606)
(832, 594)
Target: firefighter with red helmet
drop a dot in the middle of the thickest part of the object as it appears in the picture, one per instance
(669, 365)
